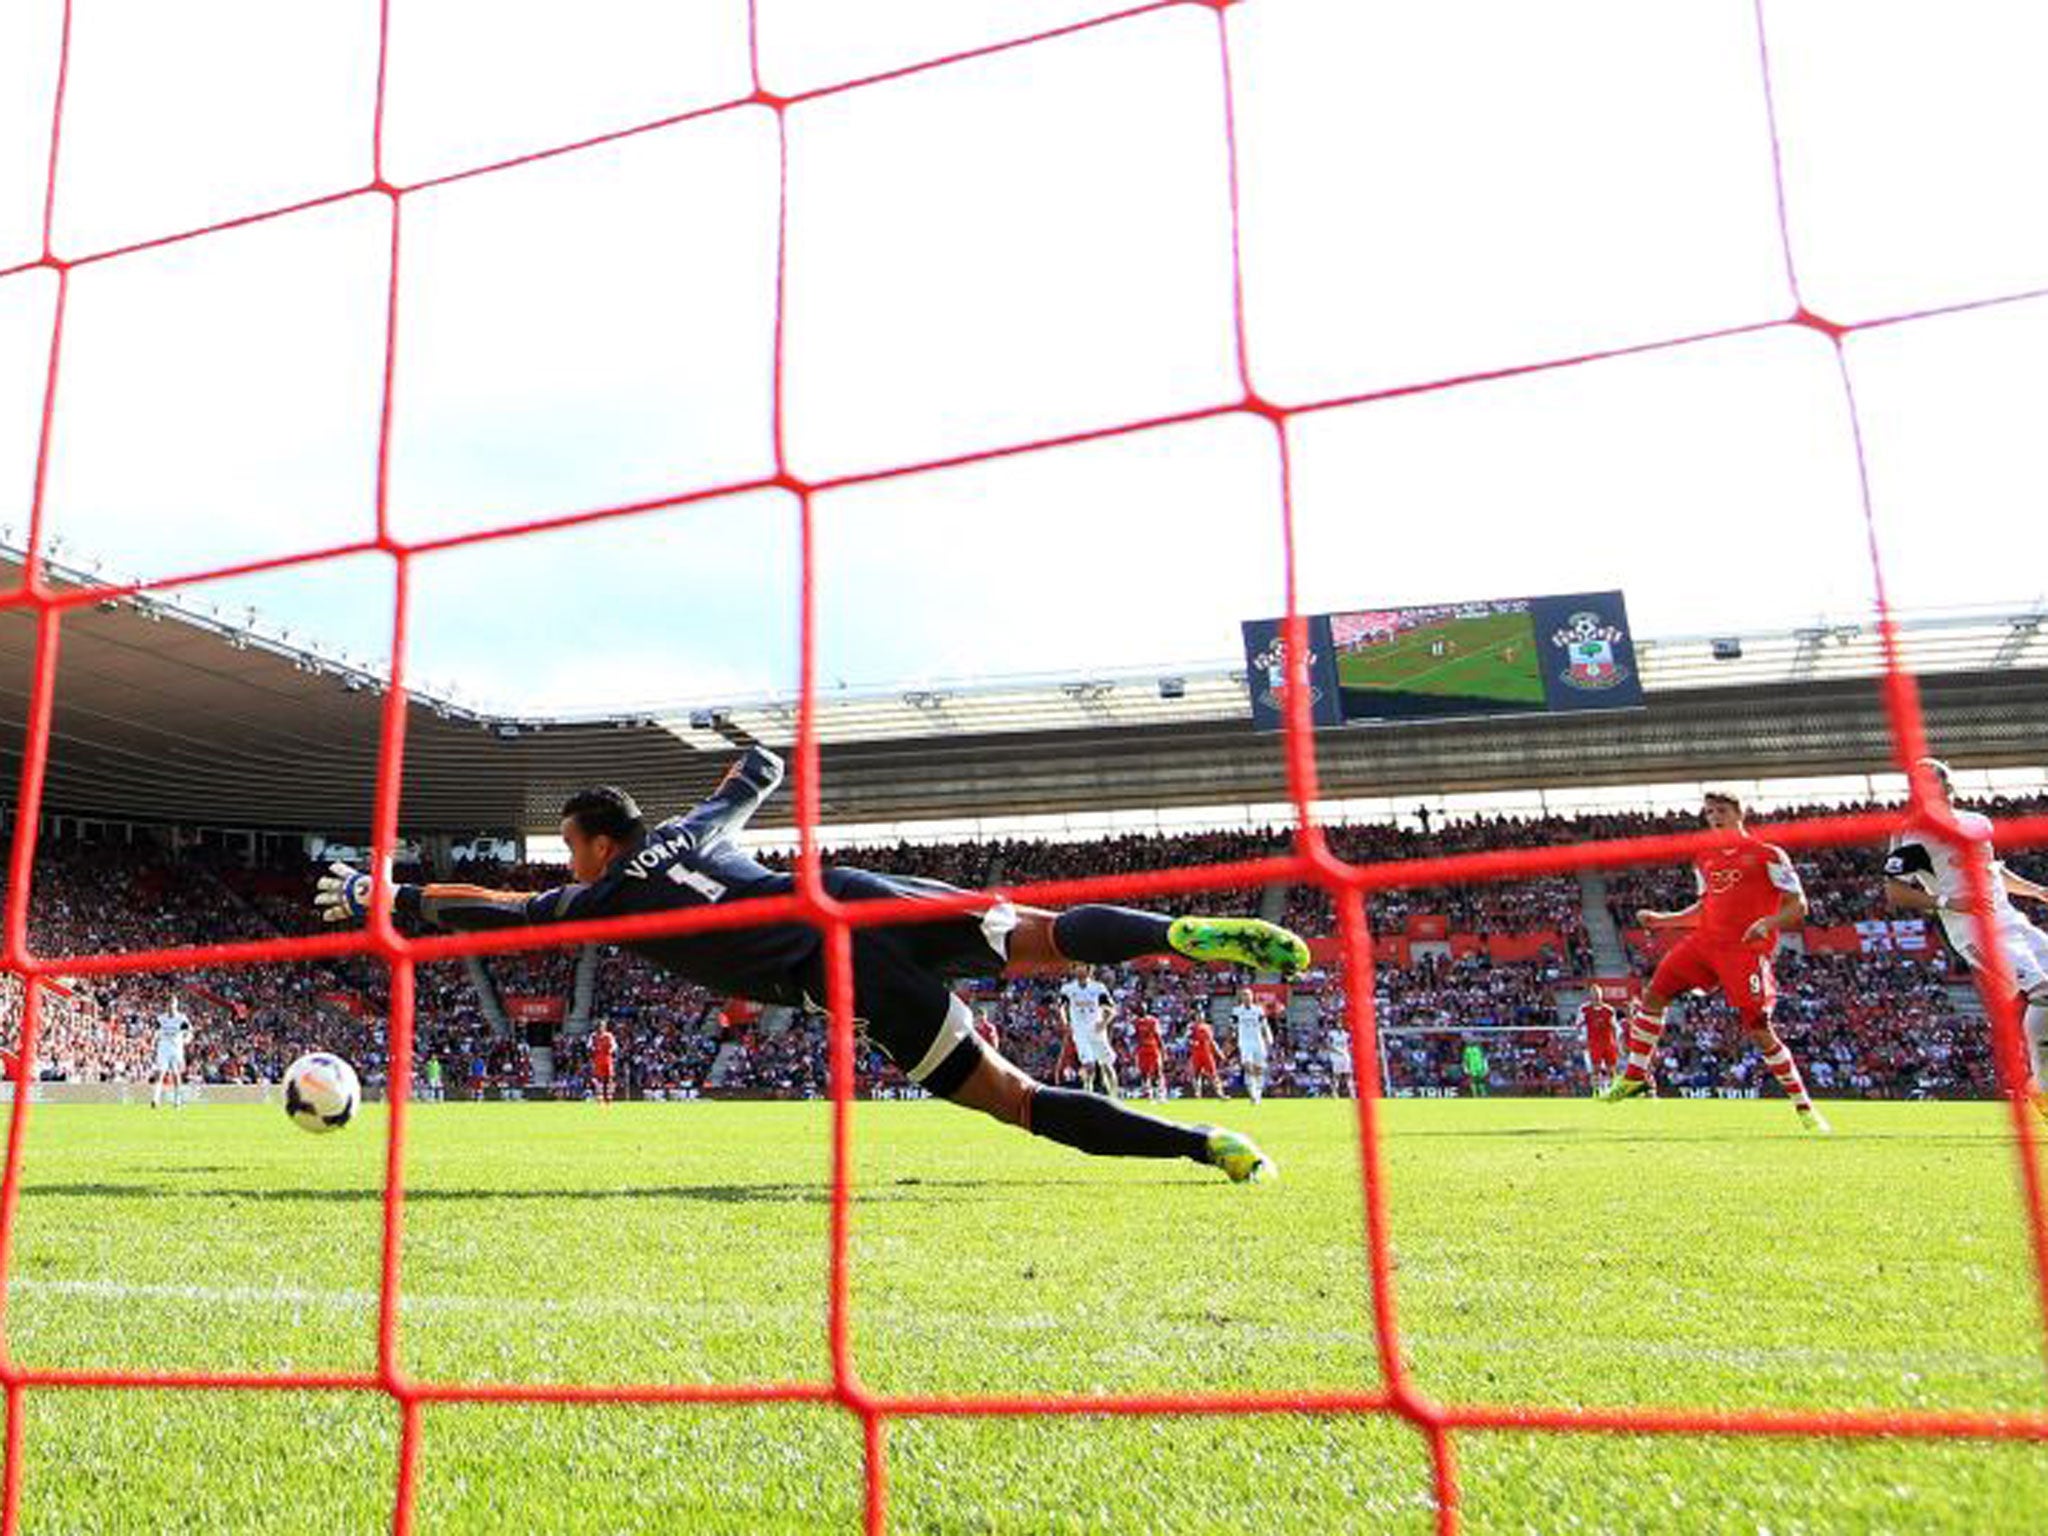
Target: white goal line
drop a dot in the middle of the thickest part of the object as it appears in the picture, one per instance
(1733, 1356)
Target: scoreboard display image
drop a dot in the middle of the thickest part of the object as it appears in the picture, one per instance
(1518, 655)
(1480, 651)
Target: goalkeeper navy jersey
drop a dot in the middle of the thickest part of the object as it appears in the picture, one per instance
(687, 861)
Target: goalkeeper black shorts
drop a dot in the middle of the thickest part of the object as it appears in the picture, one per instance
(901, 972)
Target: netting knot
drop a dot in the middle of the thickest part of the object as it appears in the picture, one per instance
(1414, 1404)
(393, 1381)
(1828, 328)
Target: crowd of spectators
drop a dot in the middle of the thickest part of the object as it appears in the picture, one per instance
(1880, 1024)
(1544, 903)
(1872, 1024)
(1011, 863)
(248, 1022)
(79, 1041)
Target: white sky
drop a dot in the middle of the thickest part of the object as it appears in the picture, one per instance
(1028, 244)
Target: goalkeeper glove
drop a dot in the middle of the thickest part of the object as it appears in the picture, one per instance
(342, 894)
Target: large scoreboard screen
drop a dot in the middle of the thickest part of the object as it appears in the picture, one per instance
(1511, 655)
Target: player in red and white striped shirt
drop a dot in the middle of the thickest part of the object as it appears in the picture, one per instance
(1749, 893)
(604, 1046)
(1598, 1017)
(1151, 1052)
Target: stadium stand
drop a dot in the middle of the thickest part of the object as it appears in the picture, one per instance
(1879, 1012)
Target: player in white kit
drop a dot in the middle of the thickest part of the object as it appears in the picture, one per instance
(1341, 1078)
(1089, 1008)
(1922, 873)
(173, 1028)
(1254, 1038)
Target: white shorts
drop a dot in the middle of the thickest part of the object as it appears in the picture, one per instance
(1086, 1052)
(1340, 1063)
(1252, 1058)
(2026, 949)
(170, 1058)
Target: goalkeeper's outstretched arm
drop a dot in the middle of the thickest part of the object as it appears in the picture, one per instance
(746, 785)
(607, 825)
(343, 895)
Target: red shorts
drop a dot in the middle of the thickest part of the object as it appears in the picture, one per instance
(1742, 975)
(1201, 1061)
(602, 1071)
(1148, 1062)
(1600, 1049)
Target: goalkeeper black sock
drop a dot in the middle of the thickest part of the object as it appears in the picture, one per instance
(1099, 935)
(1090, 1123)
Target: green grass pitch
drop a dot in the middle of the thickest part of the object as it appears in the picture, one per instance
(1479, 668)
(1674, 1253)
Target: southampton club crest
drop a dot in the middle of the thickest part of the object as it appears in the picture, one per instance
(1588, 644)
(1270, 666)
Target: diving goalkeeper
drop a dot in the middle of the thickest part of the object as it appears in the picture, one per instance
(621, 866)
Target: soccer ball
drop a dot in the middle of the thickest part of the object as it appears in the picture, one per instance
(321, 1092)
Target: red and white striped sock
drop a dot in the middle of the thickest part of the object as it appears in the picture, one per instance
(1786, 1071)
(1644, 1031)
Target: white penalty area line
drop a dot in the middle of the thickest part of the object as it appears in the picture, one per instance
(340, 1300)
(1738, 1357)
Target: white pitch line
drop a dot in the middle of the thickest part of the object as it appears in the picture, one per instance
(1737, 1356)
(347, 1300)
(1756, 1357)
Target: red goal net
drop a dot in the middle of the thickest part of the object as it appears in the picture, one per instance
(1311, 861)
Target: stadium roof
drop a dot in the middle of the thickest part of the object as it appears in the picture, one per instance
(165, 714)
(1956, 641)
